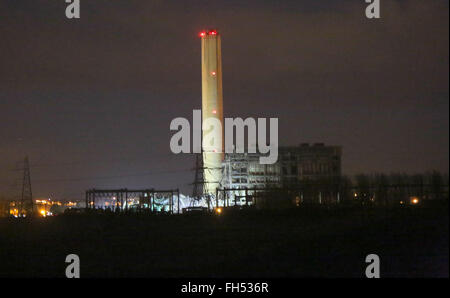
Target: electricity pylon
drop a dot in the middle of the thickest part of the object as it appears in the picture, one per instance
(199, 181)
(26, 203)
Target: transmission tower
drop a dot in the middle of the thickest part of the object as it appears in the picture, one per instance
(26, 203)
(199, 181)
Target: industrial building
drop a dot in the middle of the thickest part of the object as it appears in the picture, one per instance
(244, 170)
(309, 162)
(296, 165)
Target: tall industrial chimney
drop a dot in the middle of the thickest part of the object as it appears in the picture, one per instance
(212, 107)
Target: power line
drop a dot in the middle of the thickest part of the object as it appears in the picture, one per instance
(18, 168)
(112, 177)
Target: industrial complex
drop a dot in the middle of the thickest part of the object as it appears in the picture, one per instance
(302, 174)
(221, 179)
(238, 172)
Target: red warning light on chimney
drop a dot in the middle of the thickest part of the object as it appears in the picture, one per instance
(207, 32)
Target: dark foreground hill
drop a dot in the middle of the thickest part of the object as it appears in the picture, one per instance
(305, 242)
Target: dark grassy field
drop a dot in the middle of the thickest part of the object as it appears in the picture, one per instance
(305, 242)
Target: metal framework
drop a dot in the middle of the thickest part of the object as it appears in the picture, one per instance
(249, 194)
(26, 202)
(147, 197)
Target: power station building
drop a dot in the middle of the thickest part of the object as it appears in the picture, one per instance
(309, 162)
(243, 170)
(296, 164)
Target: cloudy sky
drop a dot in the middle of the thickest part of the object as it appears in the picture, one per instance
(90, 100)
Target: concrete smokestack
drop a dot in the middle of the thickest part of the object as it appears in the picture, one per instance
(212, 106)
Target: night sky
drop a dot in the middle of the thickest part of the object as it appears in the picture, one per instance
(90, 100)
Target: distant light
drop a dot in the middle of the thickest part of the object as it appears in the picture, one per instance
(213, 73)
(415, 201)
(202, 34)
(218, 210)
(212, 32)
(214, 111)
